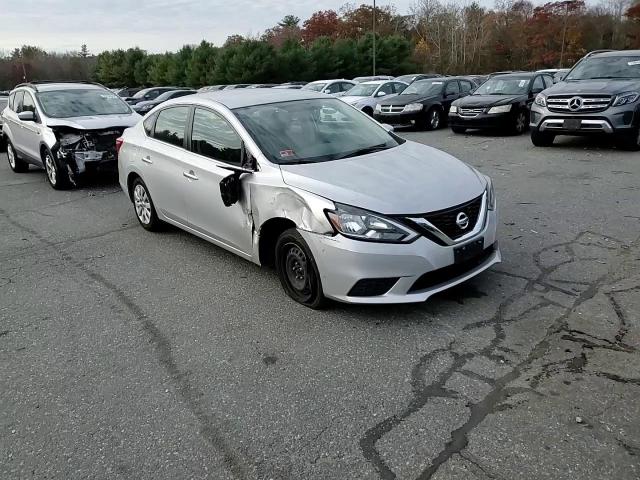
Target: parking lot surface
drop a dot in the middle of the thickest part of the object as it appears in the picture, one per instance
(129, 354)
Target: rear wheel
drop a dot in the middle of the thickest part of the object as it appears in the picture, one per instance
(297, 270)
(458, 129)
(17, 165)
(143, 205)
(57, 174)
(541, 139)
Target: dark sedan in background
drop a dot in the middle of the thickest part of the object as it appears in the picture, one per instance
(147, 94)
(143, 107)
(501, 103)
(423, 104)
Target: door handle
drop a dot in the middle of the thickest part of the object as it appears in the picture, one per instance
(147, 159)
(190, 175)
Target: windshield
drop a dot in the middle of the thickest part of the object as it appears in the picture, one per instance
(424, 87)
(606, 67)
(504, 86)
(362, 90)
(81, 103)
(142, 93)
(406, 78)
(309, 131)
(316, 87)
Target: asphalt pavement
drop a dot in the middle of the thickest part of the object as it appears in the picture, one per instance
(126, 354)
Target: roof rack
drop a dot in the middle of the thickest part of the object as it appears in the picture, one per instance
(34, 84)
(598, 51)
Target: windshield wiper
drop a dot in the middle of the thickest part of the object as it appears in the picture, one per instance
(364, 151)
(601, 78)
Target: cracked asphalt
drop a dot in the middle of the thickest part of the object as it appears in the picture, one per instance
(127, 354)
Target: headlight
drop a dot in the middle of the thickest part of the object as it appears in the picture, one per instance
(378, 107)
(453, 109)
(413, 107)
(360, 224)
(500, 109)
(625, 98)
(541, 100)
(491, 195)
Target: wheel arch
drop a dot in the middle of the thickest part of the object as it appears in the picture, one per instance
(268, 236)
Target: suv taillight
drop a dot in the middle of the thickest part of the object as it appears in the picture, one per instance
(119, 142)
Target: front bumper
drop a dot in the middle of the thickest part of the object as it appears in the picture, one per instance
(88, 161)
(343, 262)
(483, 121)
(613, 121)
(398, 119)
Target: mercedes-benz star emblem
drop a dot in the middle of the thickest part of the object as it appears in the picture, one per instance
(462, 220)
(575, 103)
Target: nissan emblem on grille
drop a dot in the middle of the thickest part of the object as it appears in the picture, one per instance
(462, 220)
(575, 103)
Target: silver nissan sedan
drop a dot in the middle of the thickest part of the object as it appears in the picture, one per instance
(339, 204)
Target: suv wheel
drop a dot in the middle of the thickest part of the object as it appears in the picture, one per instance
(540, 139)
(631, 142)
(143, 205)
(297, 270)
(17, 165)
(56, 173)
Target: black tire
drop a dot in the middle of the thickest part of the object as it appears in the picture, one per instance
(56, 173)
(143, 206)
(433, 119)
(630, 142)
(540, 139)
(520, 123)
(458, 129)
(298, 271)
(17, 165)
(368, 111)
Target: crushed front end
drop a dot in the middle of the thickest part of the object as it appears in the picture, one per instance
(85, 151)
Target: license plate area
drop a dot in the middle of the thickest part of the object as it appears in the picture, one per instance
(572, 124)
(468, 251)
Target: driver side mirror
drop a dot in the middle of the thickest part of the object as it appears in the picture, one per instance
(27, 116)
(381, 94)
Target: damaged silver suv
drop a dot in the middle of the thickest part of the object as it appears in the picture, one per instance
(66, 128)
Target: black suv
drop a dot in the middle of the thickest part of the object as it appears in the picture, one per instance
(598, 96)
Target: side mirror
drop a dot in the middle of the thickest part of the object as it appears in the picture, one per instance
(27, 116)
(387, 127)
(326, 90)
(381, 94)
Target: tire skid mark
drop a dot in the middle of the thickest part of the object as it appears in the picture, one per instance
(423, 392)
(233, 461)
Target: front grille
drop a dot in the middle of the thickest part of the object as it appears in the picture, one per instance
(470, 112)
(372, 287)
(445, 220)
(391, 108)
(447, 274)
(588, 103)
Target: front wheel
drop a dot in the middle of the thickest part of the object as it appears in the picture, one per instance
(541, 139)
(631, 142)
(57, 175)
(433, 119)
(521, 123)
(297, 270)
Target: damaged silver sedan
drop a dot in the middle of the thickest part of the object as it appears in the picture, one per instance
(69, 129)
(339, 204)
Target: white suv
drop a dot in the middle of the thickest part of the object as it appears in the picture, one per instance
(67, 128)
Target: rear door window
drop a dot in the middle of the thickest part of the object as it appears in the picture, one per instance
(171, 125)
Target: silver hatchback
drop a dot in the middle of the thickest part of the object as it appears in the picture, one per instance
(341, 206)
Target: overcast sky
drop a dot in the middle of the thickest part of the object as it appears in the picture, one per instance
(154, 25)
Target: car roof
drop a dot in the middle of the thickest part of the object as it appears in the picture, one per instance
(331, 80)
(48, 87)
(375, 82)
(617, 53)
(246, 98)
(518, 75)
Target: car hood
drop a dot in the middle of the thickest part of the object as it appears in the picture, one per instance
(610, 87)
(410, 178)
(95, 122)
(488, 100)
(352, 98)
(410, 98)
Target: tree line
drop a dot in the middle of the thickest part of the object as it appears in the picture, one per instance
(434, 36)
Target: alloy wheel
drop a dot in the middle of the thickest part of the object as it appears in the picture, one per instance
(521, 122)
(50, 167)
(142, 204)
(11, 156)
(434, 120)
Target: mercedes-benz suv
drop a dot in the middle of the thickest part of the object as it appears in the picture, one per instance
(598, 96)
